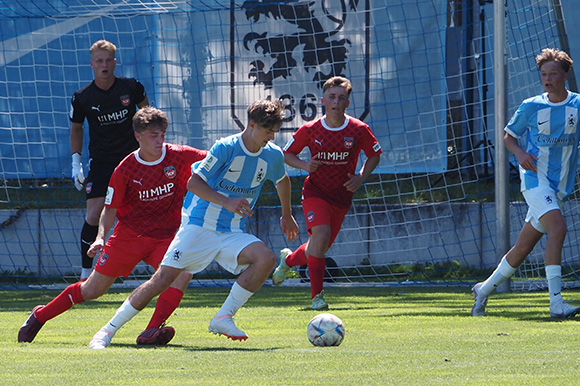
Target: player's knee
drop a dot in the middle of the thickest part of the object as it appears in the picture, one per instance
(271, 261)
(160, 282)
(257, 255)
(92, 216)
(267, 260)
(164, 276)
(319, 243)
(522, 250)
(90, 292)
(558, 232)
(321, 236)
(182, 281)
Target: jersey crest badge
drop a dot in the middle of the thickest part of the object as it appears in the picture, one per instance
(170, 172)
(348, 142)
(260, 175)
(125, 100)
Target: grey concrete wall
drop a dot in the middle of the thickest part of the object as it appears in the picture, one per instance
(409, 234)
(45, 242)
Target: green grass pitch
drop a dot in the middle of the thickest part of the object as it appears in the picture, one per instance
(394, 336)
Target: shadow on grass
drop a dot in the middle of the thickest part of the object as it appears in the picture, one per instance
(194, 348)
(395, 301)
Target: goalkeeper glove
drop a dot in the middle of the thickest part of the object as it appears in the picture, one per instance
(77, 171)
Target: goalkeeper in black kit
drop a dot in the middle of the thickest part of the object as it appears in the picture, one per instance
(108, 104)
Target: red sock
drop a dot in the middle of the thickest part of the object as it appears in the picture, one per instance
(298, 257)
(166, 304)
(63, 302)
(316, 267)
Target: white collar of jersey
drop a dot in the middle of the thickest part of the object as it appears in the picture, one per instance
(152, 163)
(245, 149)
(323, 121)
(548, 101)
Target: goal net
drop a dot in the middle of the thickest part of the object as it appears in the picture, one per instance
(423, 80)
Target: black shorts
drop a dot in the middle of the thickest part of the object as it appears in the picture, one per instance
(98, 178)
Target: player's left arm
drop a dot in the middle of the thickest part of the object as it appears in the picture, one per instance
(356, 180)
(287, 222)
(138, 91)
(144, 102)
(525, 159)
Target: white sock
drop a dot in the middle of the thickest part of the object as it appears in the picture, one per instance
(125, 313)
(86, 272)
(554, 277)
(236, 299)
(503, 272)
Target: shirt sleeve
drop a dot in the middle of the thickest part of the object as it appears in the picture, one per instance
(298, 142)
(371, 145)
(518, 124)
(278, 170)
(139, 92)
(77, 114)
(116, 190)
(195, 155)
(215, 159)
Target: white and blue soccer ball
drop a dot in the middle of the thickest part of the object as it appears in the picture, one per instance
(325, 330)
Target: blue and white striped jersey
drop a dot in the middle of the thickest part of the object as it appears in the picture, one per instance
(232, 170)
(552, 136)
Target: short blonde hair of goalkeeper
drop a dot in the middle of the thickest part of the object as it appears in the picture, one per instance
(103, 45)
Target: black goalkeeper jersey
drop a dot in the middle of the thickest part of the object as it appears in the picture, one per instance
(109, 115)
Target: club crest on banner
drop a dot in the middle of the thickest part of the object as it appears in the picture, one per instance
(287, 50)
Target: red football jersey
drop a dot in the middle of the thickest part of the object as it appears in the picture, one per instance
(149, 195)
(338, 150)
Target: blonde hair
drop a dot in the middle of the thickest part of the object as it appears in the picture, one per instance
(554, 55)
(103, 45)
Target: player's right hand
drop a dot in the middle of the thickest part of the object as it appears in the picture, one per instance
(78, 176)
(289, 227)
(528, 161)
(95, 248)
(312, 164)
(239, 206)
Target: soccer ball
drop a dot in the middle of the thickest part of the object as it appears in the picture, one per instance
(325, 330)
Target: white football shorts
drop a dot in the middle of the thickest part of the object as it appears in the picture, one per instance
(540, 201)
(194, 248)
